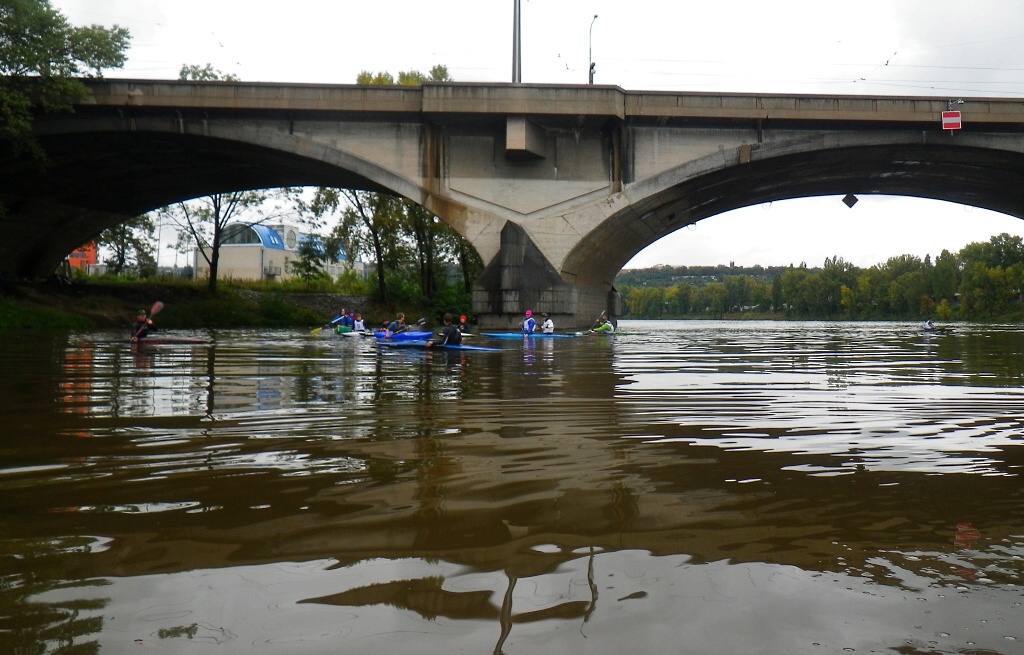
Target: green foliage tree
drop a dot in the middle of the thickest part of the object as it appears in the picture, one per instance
(313, 255)
(130, 247)
(464, 255)
(425, 230)
(1003, 251)
(207, 73)
(945, 275)
(369, 224)
(41, 57)
(438, 73)
(715, 299)
(647, 301)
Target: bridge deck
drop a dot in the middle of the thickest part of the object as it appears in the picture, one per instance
(586, 101)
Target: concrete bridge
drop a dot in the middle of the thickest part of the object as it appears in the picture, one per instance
(556, 187)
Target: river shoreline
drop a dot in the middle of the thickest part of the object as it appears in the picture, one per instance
(184, 306)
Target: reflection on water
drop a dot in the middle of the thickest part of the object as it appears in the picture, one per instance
(730, 487)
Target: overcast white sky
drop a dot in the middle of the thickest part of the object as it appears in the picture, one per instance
(869, 47)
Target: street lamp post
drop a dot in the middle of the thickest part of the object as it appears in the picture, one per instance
(590, 50)
(517, 52)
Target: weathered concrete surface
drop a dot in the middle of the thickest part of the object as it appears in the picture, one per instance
(556, 187)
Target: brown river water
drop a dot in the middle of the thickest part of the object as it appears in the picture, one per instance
(683, 487)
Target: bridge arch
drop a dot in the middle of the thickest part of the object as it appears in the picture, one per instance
(975, 174)
(102, 172)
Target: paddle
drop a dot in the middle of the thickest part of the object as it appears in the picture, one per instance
(388, 333)
(157, 306)
(333, 321)
(597, 322)
(418, 323)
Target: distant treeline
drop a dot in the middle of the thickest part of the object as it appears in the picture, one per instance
(668, 276)
(983, 281)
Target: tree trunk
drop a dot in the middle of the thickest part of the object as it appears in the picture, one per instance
(382, 285)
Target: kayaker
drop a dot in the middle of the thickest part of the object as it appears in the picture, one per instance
(346, 322)
(547, 326)
(927, 324)
(357, 322)
(529, 324)
(463, 324)
(142, 326)
(450, 335)
(603, 325)
(398, 325)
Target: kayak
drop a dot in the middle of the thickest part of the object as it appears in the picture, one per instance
(422, 343)
(353, 333)
(521, 335)
(408, 335)
(172, 340)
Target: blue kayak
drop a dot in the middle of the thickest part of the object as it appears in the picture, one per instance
(408, 335)
(520, 335)
(423, 344)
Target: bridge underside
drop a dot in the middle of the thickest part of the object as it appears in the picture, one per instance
(984, 178)
(94, 181)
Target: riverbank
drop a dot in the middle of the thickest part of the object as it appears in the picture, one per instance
(100, 305)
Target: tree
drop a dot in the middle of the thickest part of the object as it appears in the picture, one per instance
(370, 225)
(41, 55)
(463, 254)
(438, 73)
(313, 255)
(204, 220)
(836, 274)
(425, 232)
(206, 73)
(1003, 250)
(130, 244)
(715, 299)
(792, 290)
(946, 275)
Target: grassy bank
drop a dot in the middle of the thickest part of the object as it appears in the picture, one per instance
(186, 306)
(15, 316)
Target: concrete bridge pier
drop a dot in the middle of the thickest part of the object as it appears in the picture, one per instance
(520, 277)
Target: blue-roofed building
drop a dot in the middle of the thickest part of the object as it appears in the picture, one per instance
(263, 252)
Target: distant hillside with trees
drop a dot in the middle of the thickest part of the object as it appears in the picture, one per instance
(668, 276)
(981, 282)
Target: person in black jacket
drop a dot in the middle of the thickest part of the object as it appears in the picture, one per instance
(450, 335)
(142, 326)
